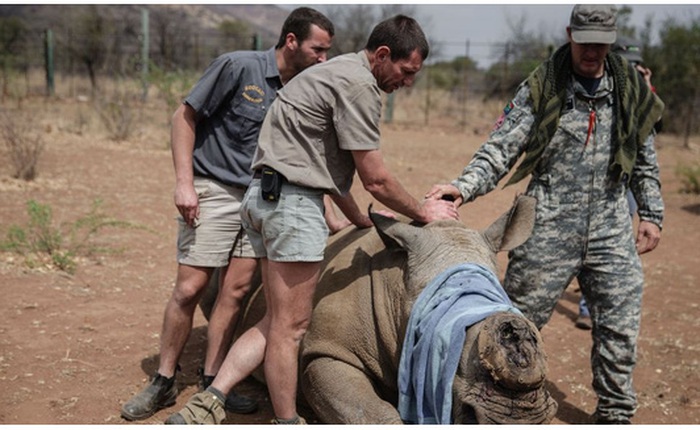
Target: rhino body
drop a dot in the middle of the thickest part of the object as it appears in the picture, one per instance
(349, 357)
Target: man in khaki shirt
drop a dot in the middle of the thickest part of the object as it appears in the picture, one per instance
(321, 129)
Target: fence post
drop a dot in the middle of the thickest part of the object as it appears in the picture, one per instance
(257, 42)
(144, 52)
(426, 112)
(196, 51)
(389, 111)
(465, 88)
(48, 58)
(506, 70)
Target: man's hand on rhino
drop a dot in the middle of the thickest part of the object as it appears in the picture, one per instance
(366, 222)
(386, 213)
(439, 209)
(445, 192)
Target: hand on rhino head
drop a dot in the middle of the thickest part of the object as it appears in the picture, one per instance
(442, 244)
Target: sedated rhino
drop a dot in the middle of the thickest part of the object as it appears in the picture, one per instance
(371, 279)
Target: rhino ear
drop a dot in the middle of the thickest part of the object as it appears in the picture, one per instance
(395, 234)
(514, 227)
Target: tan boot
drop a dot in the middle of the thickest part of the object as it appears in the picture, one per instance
(295, 420)
(202, 408)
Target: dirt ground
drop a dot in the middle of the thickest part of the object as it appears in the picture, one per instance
(73, 348)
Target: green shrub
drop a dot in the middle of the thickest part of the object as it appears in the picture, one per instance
(690, 179)
(62, 245)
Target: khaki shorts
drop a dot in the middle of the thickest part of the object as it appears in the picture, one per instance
(219, 236)
(291, 229)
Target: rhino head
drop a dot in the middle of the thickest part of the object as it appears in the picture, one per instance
(502, 368)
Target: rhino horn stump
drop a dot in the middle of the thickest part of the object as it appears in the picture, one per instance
(510, 349)
(511, 387)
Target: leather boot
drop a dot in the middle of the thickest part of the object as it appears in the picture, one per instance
(161, 392)
(236, 403)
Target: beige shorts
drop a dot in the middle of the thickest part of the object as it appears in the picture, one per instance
(219, 235)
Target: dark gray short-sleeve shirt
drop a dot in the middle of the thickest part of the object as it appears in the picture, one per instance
(231, 100)
(319, 117)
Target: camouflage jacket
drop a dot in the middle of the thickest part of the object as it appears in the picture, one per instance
(576, 135)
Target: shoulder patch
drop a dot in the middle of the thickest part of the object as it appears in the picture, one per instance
(506, 110)
(509, 107)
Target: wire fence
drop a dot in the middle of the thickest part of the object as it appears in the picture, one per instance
(117, 55)
(106, 67)
(168, 55)
(133, 48)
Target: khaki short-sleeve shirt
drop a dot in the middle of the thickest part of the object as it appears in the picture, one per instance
(318, 118)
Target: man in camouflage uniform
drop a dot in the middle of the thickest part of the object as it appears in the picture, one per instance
(584, 120)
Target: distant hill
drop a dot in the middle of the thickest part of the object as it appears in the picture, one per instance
(265, 20)
(107, 38)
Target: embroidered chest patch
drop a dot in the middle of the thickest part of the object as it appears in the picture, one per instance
(253, 94)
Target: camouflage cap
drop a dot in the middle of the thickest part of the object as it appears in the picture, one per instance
(592, 23)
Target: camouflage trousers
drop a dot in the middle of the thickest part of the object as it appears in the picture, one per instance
(591, 240)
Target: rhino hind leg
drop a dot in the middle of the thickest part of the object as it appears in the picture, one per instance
(339, 393)
(510, 348)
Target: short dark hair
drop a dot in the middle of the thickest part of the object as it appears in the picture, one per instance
(299, 23)
(402, 35)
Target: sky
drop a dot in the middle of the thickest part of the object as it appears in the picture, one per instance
(483, 25)
(454, 25)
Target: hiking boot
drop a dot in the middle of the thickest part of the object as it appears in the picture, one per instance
(161, 392)
(202, 408)
(295, 420)
(608, 420)
(584, 322)
(613, 422)
(236, 403)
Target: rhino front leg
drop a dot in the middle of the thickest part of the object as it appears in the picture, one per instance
(342, 394)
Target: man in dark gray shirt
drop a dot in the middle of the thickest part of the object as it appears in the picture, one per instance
(214, 135)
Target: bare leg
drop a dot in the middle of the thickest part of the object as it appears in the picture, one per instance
(291, 287)
(235, 284)
(179, 312)
(248, 351)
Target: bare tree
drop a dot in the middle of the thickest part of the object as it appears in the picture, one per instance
(236, 34)
(354, 23)
(12, 35)
(91, 47)
(676, 68)
(352, 26)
